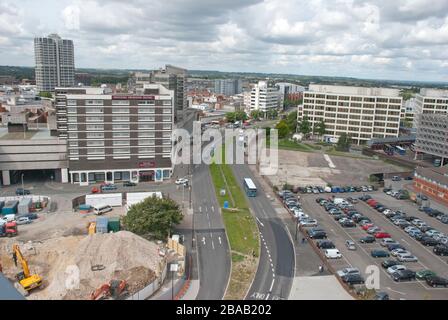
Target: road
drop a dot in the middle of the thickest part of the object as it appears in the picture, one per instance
(275, 273)
(211, 240)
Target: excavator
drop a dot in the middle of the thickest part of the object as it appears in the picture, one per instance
(114, 288)
(27, 280)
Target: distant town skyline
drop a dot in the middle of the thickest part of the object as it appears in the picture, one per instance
(368, 39)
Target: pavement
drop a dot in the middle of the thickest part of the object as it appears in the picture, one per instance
(318, 288)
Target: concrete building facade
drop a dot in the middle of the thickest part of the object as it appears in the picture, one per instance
(55, 62)
(117, 137)
(432, 134)
(228, 87)
(361, 113)
(430, 101)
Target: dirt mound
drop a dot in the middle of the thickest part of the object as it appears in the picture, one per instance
(65, 263)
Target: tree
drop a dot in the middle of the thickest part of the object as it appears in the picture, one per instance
(291, 120)
(272, 114)
(255, 114)
(240, 116)
(153, 217)
(283, 129)
(45, 94)
(343, 142)
(230, 116)
(320, 128)
(305, 126)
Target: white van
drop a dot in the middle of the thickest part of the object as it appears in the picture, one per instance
(333, 254)
(101, 209)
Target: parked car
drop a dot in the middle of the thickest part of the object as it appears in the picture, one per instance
(308, 223)
(423, 274)
(407, 258)
(348, 224)
(367, 239)
(347, 271)
(440, 250)
(396, 178)
(384, 242)
(23, 220)
(129, 184)
(429, 241)
(398, 251)
(436, 281)
(22, 192)
(379, 254)
(352, 279)
(393, 246)
(325, 244)
(350, 244)
(318, 234)
(381, 235)
(395, 268)
(381, 296)
(403, 275)
(389, 263)
(332, 254)
(373, 230)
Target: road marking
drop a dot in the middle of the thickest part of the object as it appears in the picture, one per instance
(219, 238)
(267, 296)
(206, 209)
(259, 221)
(213, 245)
(200, 209)
(213, 208)
(272, 285)
(405, 241)
(203, 240)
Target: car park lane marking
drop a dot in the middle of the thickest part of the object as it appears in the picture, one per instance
(424, 247)
(368, 255)
(405, 242)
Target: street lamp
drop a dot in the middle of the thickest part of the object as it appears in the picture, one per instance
(23, 187)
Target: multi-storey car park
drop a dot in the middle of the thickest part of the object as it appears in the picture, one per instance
(361, 113)
(116, 137)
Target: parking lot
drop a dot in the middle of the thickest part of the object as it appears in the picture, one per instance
(361, 257)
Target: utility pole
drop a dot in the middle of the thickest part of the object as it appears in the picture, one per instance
(23, 186)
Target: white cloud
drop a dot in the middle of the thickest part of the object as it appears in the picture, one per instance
(370, 38)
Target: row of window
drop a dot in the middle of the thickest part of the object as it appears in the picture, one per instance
(100, 102)
(119, 118)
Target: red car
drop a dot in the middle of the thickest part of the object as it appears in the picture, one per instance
(367, 226)
(382, 235)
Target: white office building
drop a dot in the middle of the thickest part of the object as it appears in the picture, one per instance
(264, 98)
(55, 62)
(430, 101)
(361, 113)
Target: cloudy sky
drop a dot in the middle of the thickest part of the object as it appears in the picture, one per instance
(399, 39)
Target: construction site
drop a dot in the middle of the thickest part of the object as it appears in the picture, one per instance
(81, 255)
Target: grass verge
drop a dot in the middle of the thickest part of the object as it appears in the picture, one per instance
(241, 229)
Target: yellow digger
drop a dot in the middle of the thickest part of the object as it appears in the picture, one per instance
(27, 281)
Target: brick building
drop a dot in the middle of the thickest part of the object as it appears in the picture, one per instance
(432, 182)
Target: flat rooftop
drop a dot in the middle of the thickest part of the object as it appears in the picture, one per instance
(41, 134)
(358, 91)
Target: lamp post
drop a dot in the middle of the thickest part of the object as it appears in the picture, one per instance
(173, 269)
(23, 186)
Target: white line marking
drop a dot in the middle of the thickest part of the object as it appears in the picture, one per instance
(213, 208)
(219, 238)
(267, 296)
(213, 245)
(200, 209)
(203, 240)
(259, 221)
(272, 285)
(405, 242)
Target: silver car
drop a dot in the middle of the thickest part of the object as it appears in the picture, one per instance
(407, 258)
